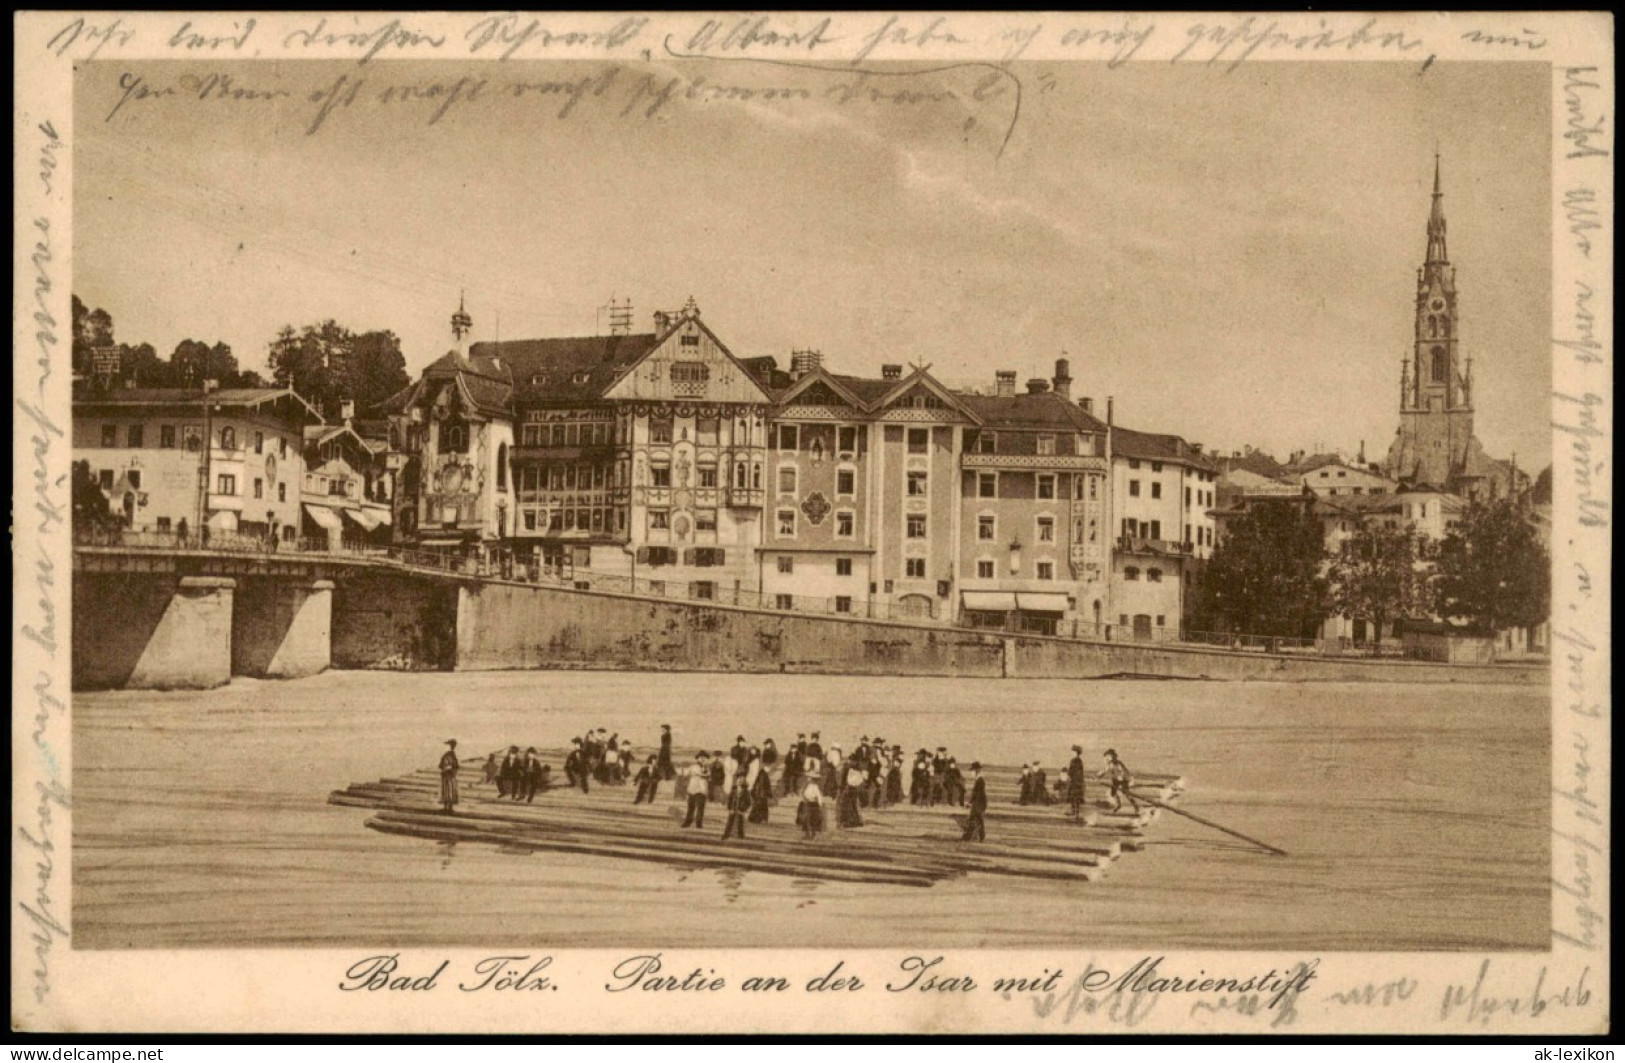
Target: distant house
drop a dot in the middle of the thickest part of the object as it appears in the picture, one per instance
(1430, 640)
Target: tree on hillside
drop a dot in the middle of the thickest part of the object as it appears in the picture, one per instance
(1265, 575)
(141, 365)
(1375, 576)
(195, 361)
(90, 508)
(327, 364)
(1493, 572)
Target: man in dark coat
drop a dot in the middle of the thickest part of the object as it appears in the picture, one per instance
(648, 781)
(740, 752)
(1074, 783)
(718, 775)
(449, 767)
(919, 787)
(663, 762)
(575, 765)
(975, 829)
(1039, 782)
(815, 751)
(530, 775)
(509, 780)
(953, 783)
(738, 808)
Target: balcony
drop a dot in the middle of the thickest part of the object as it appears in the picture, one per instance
(234, 503)
(450, 509)
(594, 452)
(971, 460)
(745, 497)
(1134, 544)
(567, 499)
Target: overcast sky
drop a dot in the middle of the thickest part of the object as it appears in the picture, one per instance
(1231, 254)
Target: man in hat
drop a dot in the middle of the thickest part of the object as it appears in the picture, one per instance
(575, 765)
(448, 776)
(740, 752)
(663, 762)
(530, 775)
(1118, 777)
(508, 775)
(1074, 783)
(1039, 782)
(953, 783)
(919, 786)
(717, 777)
(738, 807)
(795, 757)
(648, 782)
(1026, 797)
(975, 828)
(815, 751)
(699, 776)
(939, 777)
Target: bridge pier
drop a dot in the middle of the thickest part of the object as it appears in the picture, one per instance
(282, 628)
(152, 631)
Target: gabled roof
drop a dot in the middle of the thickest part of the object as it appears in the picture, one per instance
(1155, 446)
(1256, 462)
(1045, 409)
(247, 398)
(325, 433)
(841, 386)
(573, 369)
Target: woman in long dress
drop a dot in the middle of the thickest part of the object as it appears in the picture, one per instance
(847, 815)
(810, 810)
(761, 787)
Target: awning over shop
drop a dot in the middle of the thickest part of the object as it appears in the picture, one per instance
(989, 601)
(1041, 603)
(222, 520)
(365, 520)
(325, 517)
(383, 516)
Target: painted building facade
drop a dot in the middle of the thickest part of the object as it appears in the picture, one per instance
(1164, 491)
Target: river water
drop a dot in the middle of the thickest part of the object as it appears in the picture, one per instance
(1416, 817)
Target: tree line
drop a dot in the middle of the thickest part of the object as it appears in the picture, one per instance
(324, 362)
(1271, 575)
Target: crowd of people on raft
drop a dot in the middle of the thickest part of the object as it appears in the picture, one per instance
(872, 776)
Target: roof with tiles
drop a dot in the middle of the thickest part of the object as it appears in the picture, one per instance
(1157, 446)
(566, 370)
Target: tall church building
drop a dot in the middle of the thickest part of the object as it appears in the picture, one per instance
(1435, 446)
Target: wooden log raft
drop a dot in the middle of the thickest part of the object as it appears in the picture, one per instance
(903, 845)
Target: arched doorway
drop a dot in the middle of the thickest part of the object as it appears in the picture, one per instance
(914, 606)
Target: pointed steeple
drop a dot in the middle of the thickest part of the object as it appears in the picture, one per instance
(461, 323)
(1436, 249)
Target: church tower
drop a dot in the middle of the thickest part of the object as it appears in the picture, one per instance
(1435, 436)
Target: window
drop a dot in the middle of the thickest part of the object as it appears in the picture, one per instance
(1046, 570)
(135, 435)
(166, 436)
(109, 435)
(163, 523)
(1341, 474)
(1153, 575)
(914, 568)
(1046, 529)
(690, 373)
(916, 525)
(1441, 365)
(787, 522)
(919, 440)
(784, 601)
(843, 603)
(705, 520)
(1094, 485)
(984, 570)
(1156, 466)
(847, 440)
(259, 442)
(987, 485)
(226, 484)
(1160, 621)
(1131, 573)
(659, 519)
(703, 590)
(987, 528)
(787, 437)
(1046, 485)
(259, 487)
(846, 483)
(134, 476)
(705, 431)
(787, 480)
(1187, 500)
(691, 339)
(659, 476)
(228, 438)
(1156, 489)
(1134, 487)
(1134, 463)
(530, 520)
(1046, 444)
(916, 483)
(843, 566)
(1156, 530)
(282, 447)
(660, 429)
(456, 439)
(843, 524)
(987, 443)
(104, 477)
(282, 492)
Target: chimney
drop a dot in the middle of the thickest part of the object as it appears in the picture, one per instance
(1037, 386)
(662, 321)
(1004, 383)
(804, 362)
(347, 411)
(1087, 403)
(1063, 379)
(891, 372)
(1196, 448)
(1109, 411)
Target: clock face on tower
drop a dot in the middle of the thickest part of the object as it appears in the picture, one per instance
(1438, 304)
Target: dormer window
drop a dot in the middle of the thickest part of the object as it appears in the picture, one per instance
(454, 438)
(581, 378)
(691, 339)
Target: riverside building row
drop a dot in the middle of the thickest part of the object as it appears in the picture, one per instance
(662, 463)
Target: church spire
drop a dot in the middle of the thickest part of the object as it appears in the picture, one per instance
(1436, 248)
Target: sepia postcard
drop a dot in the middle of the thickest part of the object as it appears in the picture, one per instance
(1058, 523)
